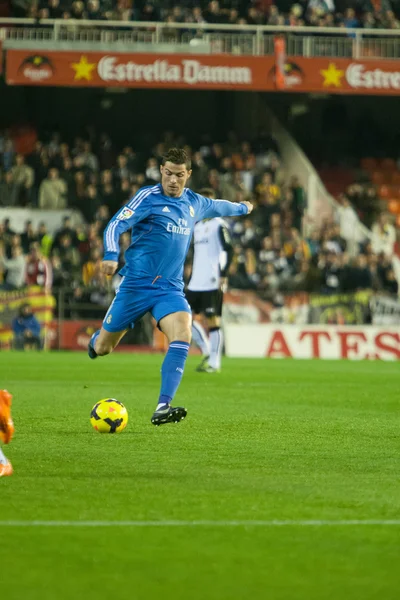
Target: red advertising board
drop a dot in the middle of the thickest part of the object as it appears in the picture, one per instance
(217, 71)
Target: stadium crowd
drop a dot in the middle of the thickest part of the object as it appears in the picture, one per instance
(271, 255)
(318, 13)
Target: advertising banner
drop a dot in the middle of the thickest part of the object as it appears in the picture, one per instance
(312, 341)
(212, 71)
(340, 309)
(385, 310)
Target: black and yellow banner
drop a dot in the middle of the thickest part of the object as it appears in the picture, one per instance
(341, 309)
(42, 304)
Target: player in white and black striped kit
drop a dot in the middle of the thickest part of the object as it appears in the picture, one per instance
(212, 257)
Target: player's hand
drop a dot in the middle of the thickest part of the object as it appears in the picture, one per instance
(249, 206)
(109, 267)
(223, 284)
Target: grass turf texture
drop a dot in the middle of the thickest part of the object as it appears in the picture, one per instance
(263, 440)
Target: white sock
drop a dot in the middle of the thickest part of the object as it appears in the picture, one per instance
(200, 338)
(3, 460)
(216, 340)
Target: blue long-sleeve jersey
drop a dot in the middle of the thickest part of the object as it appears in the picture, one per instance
(162, 228)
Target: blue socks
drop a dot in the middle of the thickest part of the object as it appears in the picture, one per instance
(172, 371)
(91, 351)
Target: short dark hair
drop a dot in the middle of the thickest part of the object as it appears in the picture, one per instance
(178, 157)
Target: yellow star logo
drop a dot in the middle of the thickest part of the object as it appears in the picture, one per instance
(83, 69)
(332, 75)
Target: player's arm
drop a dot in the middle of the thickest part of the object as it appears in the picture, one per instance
(122, 221)
(209, 209)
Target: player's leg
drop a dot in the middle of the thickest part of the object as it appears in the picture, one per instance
(177, 328)
(216, 336)
(173, 315)
(122, 313)
(6, 430)
(199, 335)
(105, 341)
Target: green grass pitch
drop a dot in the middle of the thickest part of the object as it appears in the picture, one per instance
(264, 441)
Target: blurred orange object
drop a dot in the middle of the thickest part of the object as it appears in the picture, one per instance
(6, 422)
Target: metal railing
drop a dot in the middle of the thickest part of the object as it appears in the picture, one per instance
(234, 39)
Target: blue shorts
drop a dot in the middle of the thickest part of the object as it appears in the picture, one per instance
(133, 300)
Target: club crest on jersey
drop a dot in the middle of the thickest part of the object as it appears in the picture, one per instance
(125, 214)
(191, 210)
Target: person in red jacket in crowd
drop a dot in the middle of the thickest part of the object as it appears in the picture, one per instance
(6, 430)
(38, 268)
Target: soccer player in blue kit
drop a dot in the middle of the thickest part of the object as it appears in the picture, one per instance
(162, 219)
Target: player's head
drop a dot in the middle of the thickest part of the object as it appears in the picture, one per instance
(208, 193)
(176, 168)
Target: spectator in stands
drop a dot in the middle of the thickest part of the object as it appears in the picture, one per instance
(55, 10)
(38, 268)
(90, 202)
(65, 229)
(330, 266)
(242, 269)
(153, 171)
(121, 170)
(23, 177)
(91, 271)
(69, 256)
(266, 187)
(350, 20)
(213, 13)
(362, 274)
(45, 239)
(348, 224)
(26, 329)
(15, 269)
(391, 285)
(383, 236)
(8, 190)
(298, 203)
(93, 10)
(87, 158)
(8, 154)
(53, 192)
(28, 236)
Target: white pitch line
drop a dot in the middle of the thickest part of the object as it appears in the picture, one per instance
(271, 523)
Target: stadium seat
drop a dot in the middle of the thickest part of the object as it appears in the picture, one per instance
(396, 178)
(388, 164)
(369, 164)
(394, 207)
(385, 192)
(380, 177)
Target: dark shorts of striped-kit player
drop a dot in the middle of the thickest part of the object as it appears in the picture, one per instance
(207, 302)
